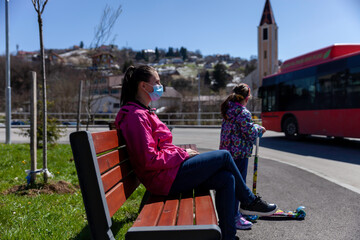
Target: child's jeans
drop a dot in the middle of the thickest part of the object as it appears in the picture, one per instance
(242, 165)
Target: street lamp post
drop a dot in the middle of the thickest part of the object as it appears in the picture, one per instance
(8, 85)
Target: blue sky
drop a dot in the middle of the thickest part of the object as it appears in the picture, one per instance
(211, 26)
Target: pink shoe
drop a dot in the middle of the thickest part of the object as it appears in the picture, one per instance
(242, 223)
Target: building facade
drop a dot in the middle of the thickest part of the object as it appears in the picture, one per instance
(267, 43)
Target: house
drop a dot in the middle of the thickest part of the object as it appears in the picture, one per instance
(105, 104)
(171, 99)
(106, 84)
(235, 66)
(102, 60)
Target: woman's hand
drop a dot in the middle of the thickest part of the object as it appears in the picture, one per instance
(191, 152)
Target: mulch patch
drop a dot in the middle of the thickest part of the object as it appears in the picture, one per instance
(60, 187)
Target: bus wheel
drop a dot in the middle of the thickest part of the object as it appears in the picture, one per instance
(291, 128)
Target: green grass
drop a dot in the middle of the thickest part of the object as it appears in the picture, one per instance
(50, 216)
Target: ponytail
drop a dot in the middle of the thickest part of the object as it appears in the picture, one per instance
(240, 93)
(133, 76)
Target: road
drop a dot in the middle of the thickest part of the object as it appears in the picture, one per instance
(319, 173)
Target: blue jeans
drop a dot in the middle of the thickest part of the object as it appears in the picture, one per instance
(242, 165)
(215, 170)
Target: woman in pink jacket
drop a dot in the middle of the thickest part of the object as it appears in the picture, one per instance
(164, 168)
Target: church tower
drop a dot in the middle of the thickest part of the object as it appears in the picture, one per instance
(267, 43)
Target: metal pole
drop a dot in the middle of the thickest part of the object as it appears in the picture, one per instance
(8, 85)
(199, 106)
(79, 106)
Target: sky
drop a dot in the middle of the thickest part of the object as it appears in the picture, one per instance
(210, 26)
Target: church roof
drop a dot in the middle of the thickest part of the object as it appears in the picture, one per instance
(268, 15)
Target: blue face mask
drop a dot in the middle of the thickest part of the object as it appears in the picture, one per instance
(156, 94)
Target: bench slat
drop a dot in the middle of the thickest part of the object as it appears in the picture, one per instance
(169, 213)
(204, 211)
(150, 214)
(104, 141)
(111, 159)
(117, 196)
(115, 175)
(186, 210)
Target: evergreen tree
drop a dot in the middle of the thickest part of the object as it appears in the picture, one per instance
(220, 76)
(81, 44)
(183, 53)
(157, 54)
(170, 52)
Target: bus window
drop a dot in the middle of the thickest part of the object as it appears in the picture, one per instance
(268, 99)
(353, 88)
(323, 92)
(339, 84)
(305, 93)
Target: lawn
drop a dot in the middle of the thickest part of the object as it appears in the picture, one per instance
(49, 216)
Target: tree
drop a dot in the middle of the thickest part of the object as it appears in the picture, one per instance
(39, 6)
(207, 80)
(183, 53)
(220, 76)
(81, 44)
(104, 30)
(157, 54)
(170, 52)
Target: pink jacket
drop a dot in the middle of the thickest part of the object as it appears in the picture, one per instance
(155, 159)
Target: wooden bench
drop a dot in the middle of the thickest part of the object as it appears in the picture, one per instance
(107, 179)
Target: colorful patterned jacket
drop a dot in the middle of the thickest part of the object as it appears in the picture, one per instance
(238, 132)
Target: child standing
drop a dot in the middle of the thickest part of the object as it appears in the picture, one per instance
(238, 134)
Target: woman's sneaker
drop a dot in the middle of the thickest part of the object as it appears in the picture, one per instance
(242, 223)
(258, 207)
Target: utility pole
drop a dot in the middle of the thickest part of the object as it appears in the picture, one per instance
(199, 103)
(8, 84)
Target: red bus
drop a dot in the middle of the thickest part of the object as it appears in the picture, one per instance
(316, 93)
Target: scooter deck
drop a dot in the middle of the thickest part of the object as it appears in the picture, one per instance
(299, 213)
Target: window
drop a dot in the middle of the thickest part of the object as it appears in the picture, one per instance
(265, 34)
(353, 88)
(324, 92)
(265, 54)
(268, 99)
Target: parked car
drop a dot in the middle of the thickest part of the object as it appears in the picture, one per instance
(17, 122)
(69, 123)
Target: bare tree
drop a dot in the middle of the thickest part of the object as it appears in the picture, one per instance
(39, 6)
(103, 31)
